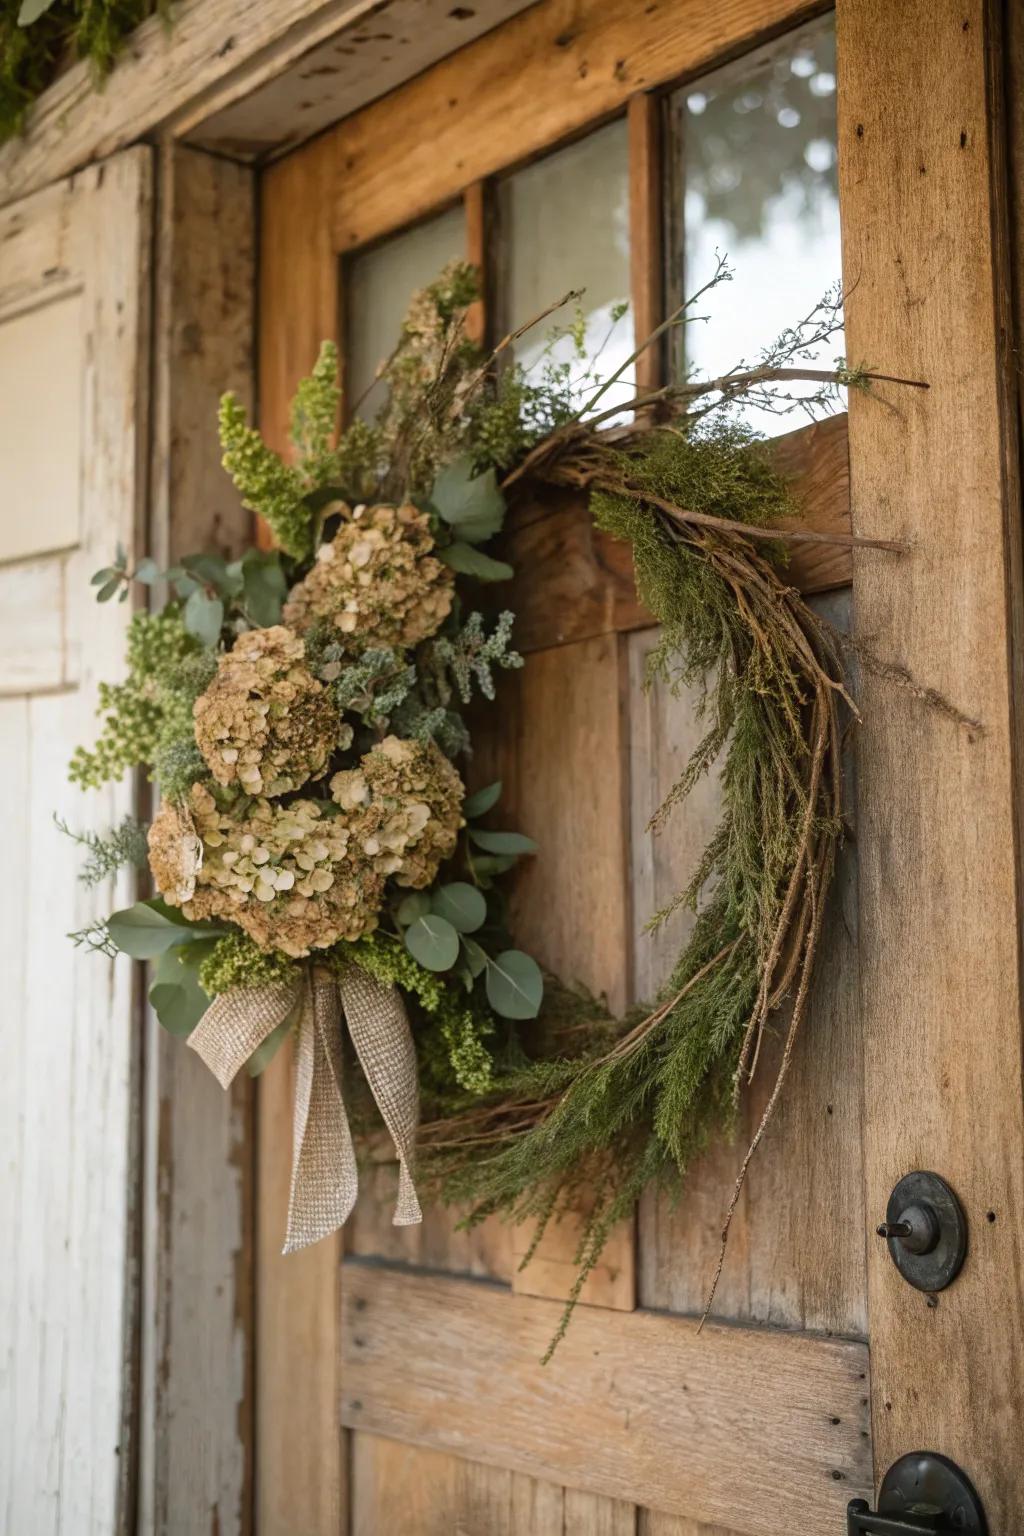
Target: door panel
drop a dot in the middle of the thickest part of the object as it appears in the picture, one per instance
(74, 311)
(425, 1343)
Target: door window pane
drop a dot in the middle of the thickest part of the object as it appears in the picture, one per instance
(564, 224)
(379, 283)
(755, 163)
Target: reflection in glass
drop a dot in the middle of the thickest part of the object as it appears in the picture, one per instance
(565, 225)
(756, 148)
(379, 283)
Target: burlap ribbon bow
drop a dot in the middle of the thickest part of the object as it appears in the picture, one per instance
(324, 1174)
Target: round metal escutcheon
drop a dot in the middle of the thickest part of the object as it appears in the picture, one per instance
(925, 1483)
(945, 1247)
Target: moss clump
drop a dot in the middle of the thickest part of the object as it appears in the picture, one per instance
(235, 961)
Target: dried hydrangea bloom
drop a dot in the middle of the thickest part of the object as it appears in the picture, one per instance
(265, 722)
(404, 806)
(377, 581)
(175, 853)
(292, 878)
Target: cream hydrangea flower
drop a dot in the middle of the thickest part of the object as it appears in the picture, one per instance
(265, 722)
(376, 581)
(404, 806)
(292, 878)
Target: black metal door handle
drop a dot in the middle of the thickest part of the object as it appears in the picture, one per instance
(921, 1493)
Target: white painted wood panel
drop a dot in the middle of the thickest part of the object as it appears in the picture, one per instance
(69, 1041)
(40, 406)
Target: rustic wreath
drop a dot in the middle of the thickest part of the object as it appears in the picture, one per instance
(316, 855)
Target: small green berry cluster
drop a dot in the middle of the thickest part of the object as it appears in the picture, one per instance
(135, 710)
(235, 961)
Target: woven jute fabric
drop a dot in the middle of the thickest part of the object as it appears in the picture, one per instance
(379, 1026)
(324, 1179)
(237, 1023)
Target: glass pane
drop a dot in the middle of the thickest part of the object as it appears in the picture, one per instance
(756, 148)
(379, 283)
(564, 225)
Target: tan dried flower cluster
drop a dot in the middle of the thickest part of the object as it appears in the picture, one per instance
(291, 877)
(404, 804)
(377, 581)
(265, 722)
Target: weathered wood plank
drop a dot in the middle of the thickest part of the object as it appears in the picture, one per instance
(634, 1406)
(585, 59)
(561, 727)
(789, 1262)
(258, 72)
(409, 1488)
(69, 1131)
(197, 1461)
(302, 89)
(573, 582)
(938, 830)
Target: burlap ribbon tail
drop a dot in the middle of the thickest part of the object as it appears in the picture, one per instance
(325, 1177)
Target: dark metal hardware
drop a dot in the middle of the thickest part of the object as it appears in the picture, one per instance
(921, 1493)
(926, 1231)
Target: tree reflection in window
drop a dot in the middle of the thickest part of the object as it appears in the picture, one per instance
(755, 177)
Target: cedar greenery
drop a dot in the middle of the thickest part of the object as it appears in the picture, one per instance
(35, 38)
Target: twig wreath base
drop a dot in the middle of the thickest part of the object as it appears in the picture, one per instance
(302, 713)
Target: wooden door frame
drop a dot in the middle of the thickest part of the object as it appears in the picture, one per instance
(902, 470)
(904, 76)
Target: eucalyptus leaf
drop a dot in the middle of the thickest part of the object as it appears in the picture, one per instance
(473, 562)
(31, 10)
(146, 929)
(211, 570)
(203, 617)
(488, 864)
(515, 985)
(474, 955)
(462, 497)
(502, 842)
(176, 996)
(462, 905)
(147, 571)
(108, 589)
(264, 586)
(416, 904)
(481, 800)
(143, 932)
(101, 578)
(433, 942)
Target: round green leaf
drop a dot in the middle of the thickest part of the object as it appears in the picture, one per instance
(515, 985)
(462, 905)
(108, 589)
(416, 904)
(503, 842)
(147, 571)
(473, 562)
(481, 800)
(463, 498)
(433, 942)
(475, 957)
(176, 996)
(203, 617)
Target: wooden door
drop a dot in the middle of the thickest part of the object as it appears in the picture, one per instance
(74, 315)
(399, 1386)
